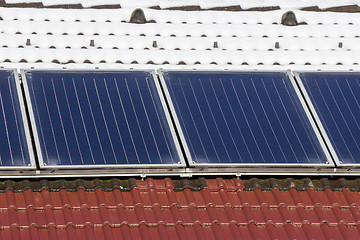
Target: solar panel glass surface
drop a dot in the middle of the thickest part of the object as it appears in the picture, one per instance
(100, 119)
(242, 118)
(14, 148)
(336, 100)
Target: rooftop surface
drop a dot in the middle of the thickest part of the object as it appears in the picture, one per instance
(240, 36)
(231, 34)
(181, 209)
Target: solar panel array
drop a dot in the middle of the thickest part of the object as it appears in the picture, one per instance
(14, 147)
(106, 119)
(336, 100)
(242, 118)
(97, 119)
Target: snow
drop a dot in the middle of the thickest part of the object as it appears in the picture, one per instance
(245, 4)
(43, 38)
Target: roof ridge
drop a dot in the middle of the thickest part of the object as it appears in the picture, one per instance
(103, 184)
(68, 185)
(196, 184)
(301, 184)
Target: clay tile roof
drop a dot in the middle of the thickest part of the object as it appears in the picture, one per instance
(180, 209)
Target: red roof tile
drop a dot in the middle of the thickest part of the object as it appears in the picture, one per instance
(156, 209)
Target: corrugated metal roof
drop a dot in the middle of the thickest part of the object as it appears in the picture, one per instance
(180, 209)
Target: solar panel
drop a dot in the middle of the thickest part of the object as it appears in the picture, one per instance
(15, 148)
(335, 100)
(100, 119)
(242, 118)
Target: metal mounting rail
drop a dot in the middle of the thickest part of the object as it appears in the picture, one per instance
(180, 172)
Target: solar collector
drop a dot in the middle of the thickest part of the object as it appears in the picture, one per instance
(99, 119)
(15, 149)
(335, 99)
(242, 119)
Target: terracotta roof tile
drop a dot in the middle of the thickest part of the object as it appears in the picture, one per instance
(156, 209)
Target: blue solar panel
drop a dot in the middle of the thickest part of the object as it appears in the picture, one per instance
(242, 118)
(97, 119)
(336, 100)
(14, 147)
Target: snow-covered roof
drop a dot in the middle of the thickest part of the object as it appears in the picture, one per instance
(205, 4)
(105, 38)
